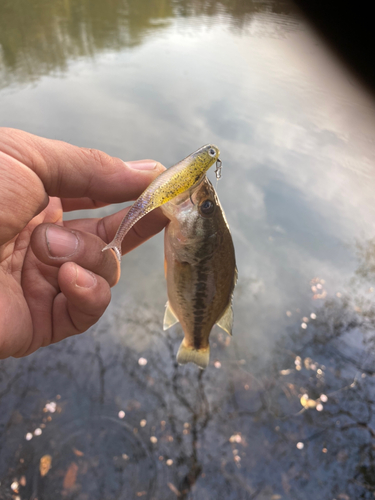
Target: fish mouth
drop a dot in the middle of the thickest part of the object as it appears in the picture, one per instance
(196, 187)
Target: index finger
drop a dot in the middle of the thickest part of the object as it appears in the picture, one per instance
(69, 171)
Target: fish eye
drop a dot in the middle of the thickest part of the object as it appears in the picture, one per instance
(207, 207)
(212, 152)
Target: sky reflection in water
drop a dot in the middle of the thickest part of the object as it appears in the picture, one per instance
(159, 79)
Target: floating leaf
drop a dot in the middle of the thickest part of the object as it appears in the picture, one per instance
(307, 362)
(45, 464)
(70, 476)
(14, 486)
(173, 488)
(306, 402)
(235, 438)
(285, 372)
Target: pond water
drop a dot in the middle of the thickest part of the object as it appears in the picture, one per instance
(285, 409)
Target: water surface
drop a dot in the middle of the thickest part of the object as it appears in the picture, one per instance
(284, 410)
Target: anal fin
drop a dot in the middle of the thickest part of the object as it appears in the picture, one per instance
(226, 320)
(169, 317)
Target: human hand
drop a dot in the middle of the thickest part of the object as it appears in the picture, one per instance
(54, 279)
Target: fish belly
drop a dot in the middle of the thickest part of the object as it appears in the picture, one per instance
(192, 285)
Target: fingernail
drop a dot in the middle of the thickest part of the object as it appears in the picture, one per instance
(84, 278)
(141, 164)
(61, 242)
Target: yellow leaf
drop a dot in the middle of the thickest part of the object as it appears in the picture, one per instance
(307, 403)
(45, 464)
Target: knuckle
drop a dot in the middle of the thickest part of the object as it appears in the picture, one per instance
(101, 230)
(102, 160)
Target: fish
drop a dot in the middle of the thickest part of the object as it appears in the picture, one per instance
(180, 178)
(200, 270)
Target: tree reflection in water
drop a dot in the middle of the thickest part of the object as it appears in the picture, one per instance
(300, 426)
(43, 37)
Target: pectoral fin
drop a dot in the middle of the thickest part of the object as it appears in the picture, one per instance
(226, 320)
(169, 317)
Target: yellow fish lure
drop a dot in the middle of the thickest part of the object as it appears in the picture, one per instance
(182, 177)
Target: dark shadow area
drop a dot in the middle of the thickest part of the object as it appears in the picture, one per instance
(349, 29)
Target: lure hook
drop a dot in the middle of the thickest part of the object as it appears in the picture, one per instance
(219, 164)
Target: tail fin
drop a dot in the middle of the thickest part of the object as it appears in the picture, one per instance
(115, 248)
(187, 354)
